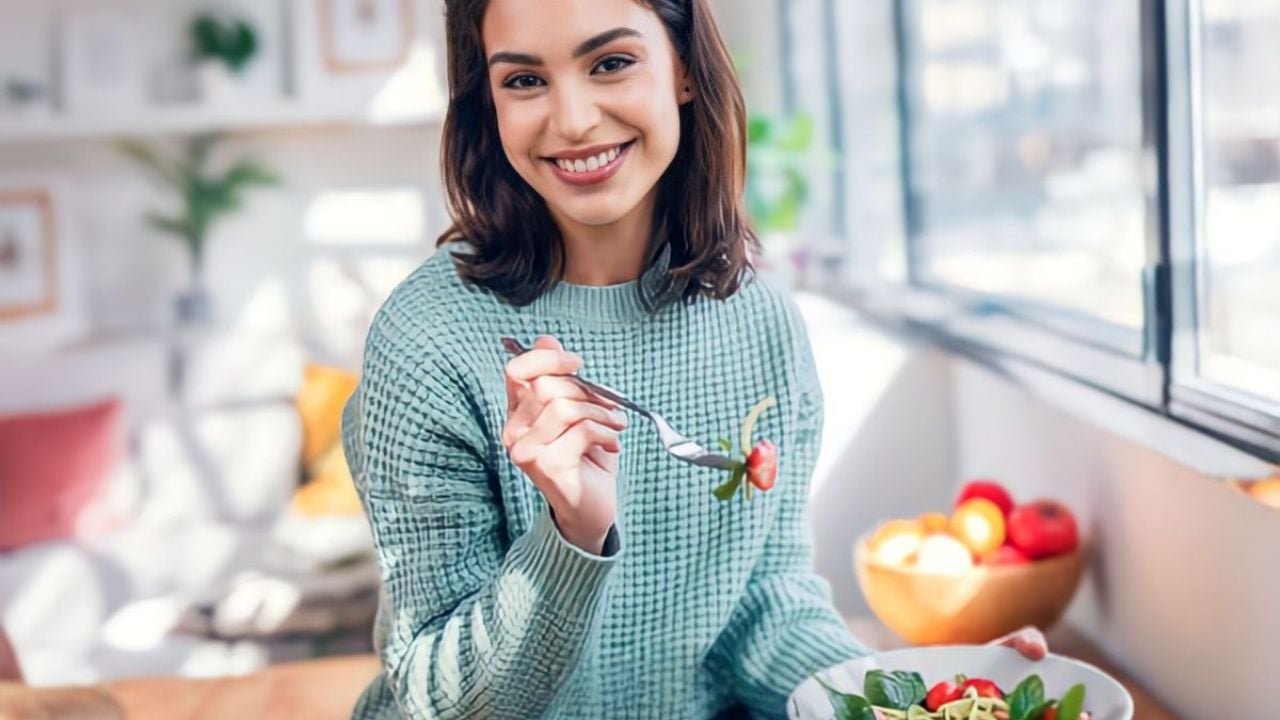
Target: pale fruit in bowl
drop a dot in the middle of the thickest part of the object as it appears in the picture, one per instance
(897, 542)
(945, 598)
(943, 554)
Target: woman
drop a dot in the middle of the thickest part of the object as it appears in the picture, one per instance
(593, 156)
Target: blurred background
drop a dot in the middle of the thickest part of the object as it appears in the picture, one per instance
(1035, 240)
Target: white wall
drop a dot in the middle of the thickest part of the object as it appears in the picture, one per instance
(888, 437)
(266, 270)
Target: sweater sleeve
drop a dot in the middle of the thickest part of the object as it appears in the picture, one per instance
(785, 628)
(472, 628)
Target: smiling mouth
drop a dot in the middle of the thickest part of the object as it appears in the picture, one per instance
(586, 166)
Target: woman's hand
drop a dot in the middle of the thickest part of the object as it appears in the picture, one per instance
(1031, 643)
(565, 440)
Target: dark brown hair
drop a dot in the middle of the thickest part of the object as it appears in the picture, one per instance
(516, 249)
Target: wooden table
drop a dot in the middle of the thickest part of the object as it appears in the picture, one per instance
(1063, 640)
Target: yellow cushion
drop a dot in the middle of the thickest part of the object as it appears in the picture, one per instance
(324, 393)
(327, 487)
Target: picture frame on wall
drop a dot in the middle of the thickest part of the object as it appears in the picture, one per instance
(362, 36)
(40, 289)
(29, 258)
(378, 59)
(103, 63)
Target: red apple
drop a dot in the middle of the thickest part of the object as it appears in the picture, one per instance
(988, 490)
(1043, 528)
(1006, 555)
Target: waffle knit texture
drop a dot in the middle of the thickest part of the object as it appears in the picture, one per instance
(486, 611)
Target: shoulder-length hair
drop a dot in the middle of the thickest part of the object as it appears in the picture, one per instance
(515, 249)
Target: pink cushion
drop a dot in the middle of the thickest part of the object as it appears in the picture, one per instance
(51, 466)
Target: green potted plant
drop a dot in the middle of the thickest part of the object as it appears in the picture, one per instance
(222, 46)
(204, 197)
(781, 160)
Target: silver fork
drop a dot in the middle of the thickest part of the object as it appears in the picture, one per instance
(680, 447)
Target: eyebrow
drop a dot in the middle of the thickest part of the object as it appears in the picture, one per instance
(585, 47)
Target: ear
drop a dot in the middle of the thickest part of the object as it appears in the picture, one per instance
(684, 89)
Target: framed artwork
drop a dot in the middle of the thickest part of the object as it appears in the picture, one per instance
(29, 255)
(360, 36)
(40, 284)
(103, 61)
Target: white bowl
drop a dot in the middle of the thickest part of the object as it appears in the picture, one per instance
(1104, 696)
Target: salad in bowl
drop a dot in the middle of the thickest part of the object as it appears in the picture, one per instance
(925, 684)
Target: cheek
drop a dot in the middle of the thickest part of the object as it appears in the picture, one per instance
(516, 129)
(652, 109)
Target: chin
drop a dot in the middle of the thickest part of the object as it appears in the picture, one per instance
(596, 211)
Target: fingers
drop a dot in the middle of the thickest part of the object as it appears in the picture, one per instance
(566, 451)
(603, 459)
(548, 390)
(1029, 641)
(547, 357)
(561, 414)
(577, 440)
(547, 342)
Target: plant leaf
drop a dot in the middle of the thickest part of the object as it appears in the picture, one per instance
(898, 689)
(1072, 703)
(725, 444)
(151, 160)
(172, 226)
(729, 488)
(749, 424)
(1028, 695)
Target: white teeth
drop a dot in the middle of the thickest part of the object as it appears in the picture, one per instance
(591, 163)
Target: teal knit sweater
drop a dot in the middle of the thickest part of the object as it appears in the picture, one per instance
(487, 611)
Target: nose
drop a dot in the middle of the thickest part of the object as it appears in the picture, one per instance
(575, 113)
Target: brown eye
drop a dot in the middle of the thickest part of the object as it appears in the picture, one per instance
(614, 63)
(522, 82)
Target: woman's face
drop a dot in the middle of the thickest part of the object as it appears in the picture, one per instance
(587, 94)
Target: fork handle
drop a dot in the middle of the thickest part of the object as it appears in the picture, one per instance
(515, 347)
(608, 394)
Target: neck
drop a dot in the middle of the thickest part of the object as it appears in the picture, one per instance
(607, 254)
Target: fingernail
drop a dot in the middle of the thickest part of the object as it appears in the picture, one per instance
(619, 417)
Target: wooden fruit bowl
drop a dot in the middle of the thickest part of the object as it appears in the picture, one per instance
(926, 608)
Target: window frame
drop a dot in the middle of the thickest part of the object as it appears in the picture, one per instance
(1160, 375)
(1226, 411)
(1116, 359)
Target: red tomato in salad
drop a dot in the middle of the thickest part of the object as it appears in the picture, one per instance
(762, 465)
(939, 695)
(1043, 528)
(985, 688)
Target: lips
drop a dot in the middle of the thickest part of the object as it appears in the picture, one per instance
(595, 168)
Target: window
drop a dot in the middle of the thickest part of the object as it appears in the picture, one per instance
(1024, 158)
(1224, 88)
(1089, 185)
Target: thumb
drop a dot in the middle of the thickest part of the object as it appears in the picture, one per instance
(547, 342)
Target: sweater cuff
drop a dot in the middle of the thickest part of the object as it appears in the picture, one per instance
(562, 575)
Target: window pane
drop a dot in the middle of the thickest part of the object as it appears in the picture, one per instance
(1240, 293)
(1026, 151)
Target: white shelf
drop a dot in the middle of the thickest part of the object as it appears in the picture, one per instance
(176, 120)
